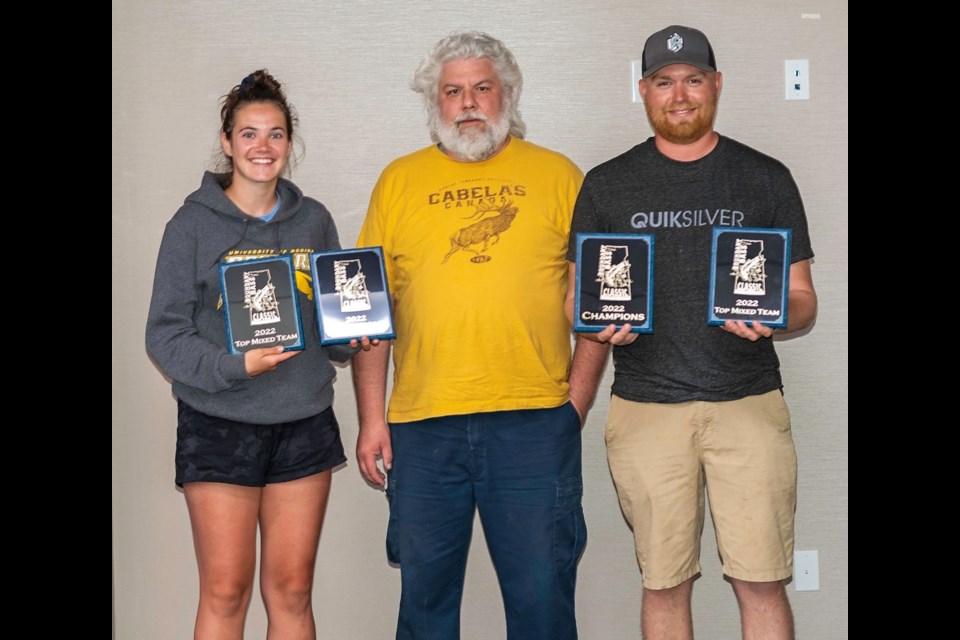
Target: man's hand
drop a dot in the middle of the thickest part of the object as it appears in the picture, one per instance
(611, 335)
(373, 442)
(364, 343)
(752, 332)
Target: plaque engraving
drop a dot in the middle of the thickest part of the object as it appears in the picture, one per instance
(260, 304)
(749, 276)
(351, 295)
(614, 282)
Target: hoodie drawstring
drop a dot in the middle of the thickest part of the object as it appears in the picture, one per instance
(243, 236)
(246, 223)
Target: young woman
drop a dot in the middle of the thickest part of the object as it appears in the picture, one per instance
(257, 439)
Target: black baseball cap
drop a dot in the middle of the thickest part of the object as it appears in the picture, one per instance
(677, 45)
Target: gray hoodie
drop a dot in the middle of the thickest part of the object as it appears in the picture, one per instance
(186, 333)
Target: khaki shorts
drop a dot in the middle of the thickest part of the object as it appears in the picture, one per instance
(662, 455)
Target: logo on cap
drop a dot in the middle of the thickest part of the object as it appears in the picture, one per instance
(675, 42)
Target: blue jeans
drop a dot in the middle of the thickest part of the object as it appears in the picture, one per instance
(521, 470)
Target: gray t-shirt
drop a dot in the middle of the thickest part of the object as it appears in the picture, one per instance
(643, 191)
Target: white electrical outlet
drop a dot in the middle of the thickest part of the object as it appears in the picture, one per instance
(796, 77)
(636, 72)
(806, 570)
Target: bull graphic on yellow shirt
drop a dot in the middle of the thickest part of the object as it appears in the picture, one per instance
(484, 233)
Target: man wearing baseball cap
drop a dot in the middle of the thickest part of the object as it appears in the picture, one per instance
(697, 408)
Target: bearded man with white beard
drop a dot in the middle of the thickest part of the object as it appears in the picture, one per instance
(486, 407)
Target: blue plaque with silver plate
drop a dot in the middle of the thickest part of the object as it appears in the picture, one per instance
(351, 295)
(749, 276)
(614, 282)
(260, 304)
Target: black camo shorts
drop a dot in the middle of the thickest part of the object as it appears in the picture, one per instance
(211, 449)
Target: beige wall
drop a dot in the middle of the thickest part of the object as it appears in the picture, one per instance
(346, 66)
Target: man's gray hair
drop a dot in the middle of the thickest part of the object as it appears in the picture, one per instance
(470, 44)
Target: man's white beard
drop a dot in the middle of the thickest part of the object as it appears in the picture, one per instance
(473, 145)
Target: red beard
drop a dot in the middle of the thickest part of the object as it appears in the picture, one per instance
(694, 127)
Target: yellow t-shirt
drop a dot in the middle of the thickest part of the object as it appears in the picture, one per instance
(475, 254)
